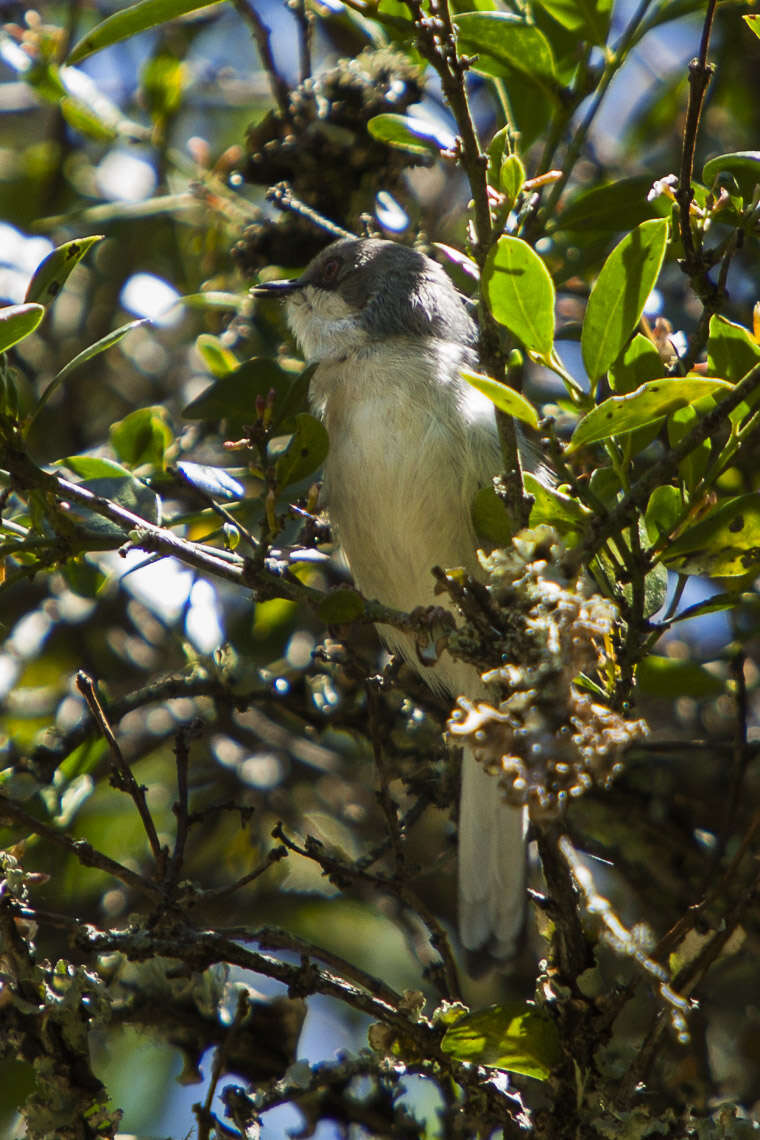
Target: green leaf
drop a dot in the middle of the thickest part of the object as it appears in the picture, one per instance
(554, 508)
(411, 133)
(692, 468)
(650, 402)
(504, 44)
(668, 679)
(219, 360)
(50, 275)
(213, 481)
(520, 293)
(511, 176)
(614, 206)
(131, 494)
(341, 605)
(591, 16)
(513, 1036)
(142, 437)
(619, 294)
(663, 512)
(234, 395)
(655, 589)
(304, 452)
(716, 604)
(732, 351)
(639, 363)
(84, 578)
(753, 23)
(505, 398)
(95, 467)
(130, 21)
(490, 518)
(743, 164)
(724, 544)
(17, 322)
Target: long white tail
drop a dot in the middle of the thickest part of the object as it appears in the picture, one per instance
(491, 864)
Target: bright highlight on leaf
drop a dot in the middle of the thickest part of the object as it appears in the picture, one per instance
(520, 293)
(409, 132)
(17, 322)
(50, 275)
(649, 403)
(619, 294)
(506, 399)
(512, 1036)
(130, 21)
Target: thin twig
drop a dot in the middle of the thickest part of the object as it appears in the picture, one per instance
(261, 35)
(122, 777)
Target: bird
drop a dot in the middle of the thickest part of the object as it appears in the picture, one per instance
(410, 443)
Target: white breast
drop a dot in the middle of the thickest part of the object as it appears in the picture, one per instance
(410, 442)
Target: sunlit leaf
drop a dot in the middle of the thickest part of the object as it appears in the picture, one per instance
(511, 176)
(520, 293)
(619, 294)
(554, 508)
(663, 512)
(513, 1036)
(142, 437)
(732, 351)
(693, 466)
(743, 164)
(639, 363)
(95, 467)
(410, 132)
(753, 23)
(50, 275)
(724, 544)
(214, 481)
(592, 17)
(505, 398)
(17, 322)
(505, 43)
(130, 21)
(219, 360)
(650, 402)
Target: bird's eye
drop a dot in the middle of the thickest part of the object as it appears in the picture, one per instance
(330, 270)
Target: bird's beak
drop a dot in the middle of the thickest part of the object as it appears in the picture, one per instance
(275, 288)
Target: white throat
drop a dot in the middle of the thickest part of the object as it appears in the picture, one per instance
(325, 327)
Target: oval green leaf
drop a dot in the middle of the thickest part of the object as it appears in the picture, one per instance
(732, 351)
(505, 398)
(50, 275)
(505, 43)
(743, 164)
(619, 294)
(513, 1036)
(411, 133)
(649, 403)
(520, 293)
(142, 437)
(17, 322)
(129, 21)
